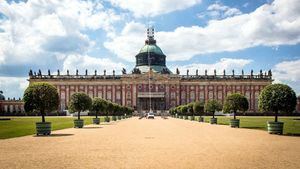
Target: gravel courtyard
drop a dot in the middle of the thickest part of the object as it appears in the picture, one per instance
(158, 143)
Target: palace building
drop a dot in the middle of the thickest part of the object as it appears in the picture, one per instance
(151, 82)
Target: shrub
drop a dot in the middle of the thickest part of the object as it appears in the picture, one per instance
(41, 97)
(80, 102)
(235, 102)
(277, 98)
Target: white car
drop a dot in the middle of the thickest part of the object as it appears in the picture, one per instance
(150, 116)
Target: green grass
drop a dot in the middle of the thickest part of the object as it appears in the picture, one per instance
(22, 126)
(291, 126)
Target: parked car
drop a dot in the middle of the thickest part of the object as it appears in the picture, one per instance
(150, 116)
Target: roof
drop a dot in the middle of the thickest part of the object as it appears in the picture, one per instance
(151, 48)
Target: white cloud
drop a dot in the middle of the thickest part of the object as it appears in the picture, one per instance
(128, 43)
(227, 64)
(30, 26)
(269, 25)
(220, 11)
(288, 72)
(83, 62)
(153, 7)
(13, 86)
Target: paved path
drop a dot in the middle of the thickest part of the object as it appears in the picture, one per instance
(133, 143)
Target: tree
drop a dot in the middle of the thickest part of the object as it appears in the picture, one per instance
(190, 109)
(110, 108)
(198, 108)
(184, 110)
(235, 102)
(212, 106)
(277, 98)
(98, 105)
(80, 102)
(42, 97)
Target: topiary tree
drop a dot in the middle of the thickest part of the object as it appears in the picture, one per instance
(98, 106)
(80, 102)
(235, 102)
(191, 110)
(110, 109)
(198, 109)
(277, 98)
(212, 106)
(42, 97)
(184, 111)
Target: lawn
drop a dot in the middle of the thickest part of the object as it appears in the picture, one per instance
(291, 126)
(21, 126)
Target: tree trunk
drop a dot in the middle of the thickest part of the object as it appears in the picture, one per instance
(96, 115)
(43, 117)
(213, 114)
(78, 115)
(234, 112)
(276, 116)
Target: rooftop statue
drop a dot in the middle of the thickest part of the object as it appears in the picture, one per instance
(123, 71)
(177, 71)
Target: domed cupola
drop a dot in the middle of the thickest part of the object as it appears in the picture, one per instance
(151, 56)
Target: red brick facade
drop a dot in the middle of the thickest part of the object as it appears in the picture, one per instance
(167, 90)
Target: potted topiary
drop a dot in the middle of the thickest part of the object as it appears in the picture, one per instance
(120, 112)
(212, 106)
(198, 108)
(79, 102)
(233, 103)
(277, 98)
(184, 110)
(41, 97)
(109, 111)
(191, 111)
(114, 111)
(98, 105)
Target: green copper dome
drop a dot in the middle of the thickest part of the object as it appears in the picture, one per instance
(151, 56)
(151, 48)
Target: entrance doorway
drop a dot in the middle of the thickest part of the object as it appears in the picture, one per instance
(157, 104)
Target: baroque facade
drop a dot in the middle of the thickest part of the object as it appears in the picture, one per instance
(10, 106)
(151, 82)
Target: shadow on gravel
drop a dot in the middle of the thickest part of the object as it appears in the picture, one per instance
(261, 128)
(91, 127)
(107, 124)
(292, 134)
(55, 135)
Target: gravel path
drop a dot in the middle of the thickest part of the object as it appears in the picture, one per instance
(158, 143)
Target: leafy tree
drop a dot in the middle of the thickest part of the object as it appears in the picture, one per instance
(98, 105)
(277, 98)
(110, 108)
(184, 110)
(190, 109)
(42, 97)
(235, 102)
(80, 102)
(198, 108)
(212, 106)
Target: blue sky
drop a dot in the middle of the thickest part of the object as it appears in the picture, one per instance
(107, 34)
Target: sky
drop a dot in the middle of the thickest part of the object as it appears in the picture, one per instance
(107, 34)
